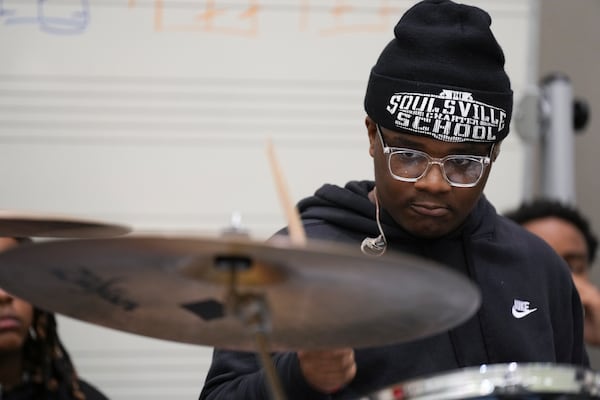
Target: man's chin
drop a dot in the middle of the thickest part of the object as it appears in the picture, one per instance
(429, 231)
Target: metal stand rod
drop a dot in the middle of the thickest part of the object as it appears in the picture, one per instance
(253, 311)
(558, 140)
(267, 363)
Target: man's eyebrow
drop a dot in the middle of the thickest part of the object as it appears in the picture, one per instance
(397, 139)
(400, 140)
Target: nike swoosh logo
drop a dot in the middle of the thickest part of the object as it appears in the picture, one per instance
(520, 314)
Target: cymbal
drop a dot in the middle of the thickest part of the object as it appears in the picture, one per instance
(25, 224)
(321, 295)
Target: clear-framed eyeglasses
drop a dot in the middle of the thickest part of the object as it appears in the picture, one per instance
(459, 170)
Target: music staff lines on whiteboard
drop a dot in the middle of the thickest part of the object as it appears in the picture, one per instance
(156, 111)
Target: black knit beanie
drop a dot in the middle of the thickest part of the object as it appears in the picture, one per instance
(442, 76)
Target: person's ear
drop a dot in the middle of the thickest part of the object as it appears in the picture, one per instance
(496, 151)
(372, 132)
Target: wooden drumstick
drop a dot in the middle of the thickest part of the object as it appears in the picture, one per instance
(295, 227)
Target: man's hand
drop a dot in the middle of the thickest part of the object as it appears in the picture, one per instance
(328, 370)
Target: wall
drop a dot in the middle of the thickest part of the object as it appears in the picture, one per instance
(156, 114)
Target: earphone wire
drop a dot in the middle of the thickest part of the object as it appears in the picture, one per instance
(375, 246)
(377, 217)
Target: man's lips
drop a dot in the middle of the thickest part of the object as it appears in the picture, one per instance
(430, 209)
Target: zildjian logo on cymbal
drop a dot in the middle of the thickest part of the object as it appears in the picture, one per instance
(94, 284)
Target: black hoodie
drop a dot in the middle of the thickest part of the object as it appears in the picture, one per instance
(506, 262)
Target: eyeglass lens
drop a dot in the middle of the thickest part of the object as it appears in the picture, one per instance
(412, 164)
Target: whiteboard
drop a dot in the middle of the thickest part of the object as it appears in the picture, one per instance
(156, 114)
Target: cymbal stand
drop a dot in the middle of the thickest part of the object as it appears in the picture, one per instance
(253, 311)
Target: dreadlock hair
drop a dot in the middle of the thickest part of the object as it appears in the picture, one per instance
(544, 208)
(46, 362)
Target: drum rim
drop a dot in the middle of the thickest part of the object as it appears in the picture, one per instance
(497, 379)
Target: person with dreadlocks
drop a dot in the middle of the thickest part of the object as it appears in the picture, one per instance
(34, 364)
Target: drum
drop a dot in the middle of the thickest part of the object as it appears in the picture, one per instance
(500, 381)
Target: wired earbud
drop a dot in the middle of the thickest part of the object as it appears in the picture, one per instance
(375, 246)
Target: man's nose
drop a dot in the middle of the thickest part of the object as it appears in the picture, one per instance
(433, 180)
